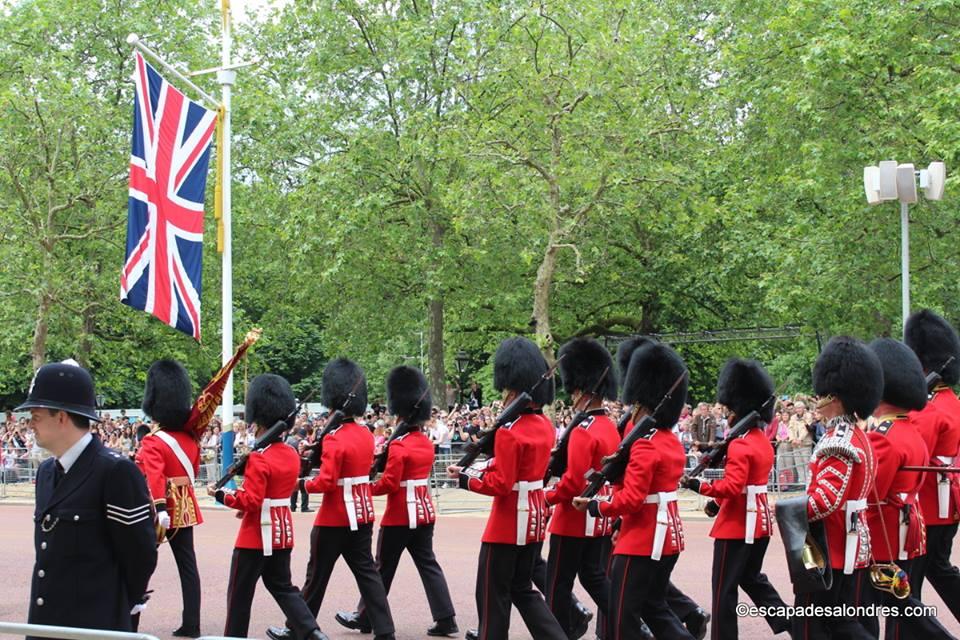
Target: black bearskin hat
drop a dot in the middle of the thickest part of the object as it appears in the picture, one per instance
(625, 350)
(269, 399)
(904, 384)
(406, 386)
(340, 378)
(743, 386)
(517, 365)
(934, 340)
(584, 361)
(654, 367)
(850, 371)
(168, 396)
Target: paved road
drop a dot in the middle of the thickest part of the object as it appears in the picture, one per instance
(457, 547)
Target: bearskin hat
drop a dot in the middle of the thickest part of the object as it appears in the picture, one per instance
(849, 370)
(269, 399)
(654, 367)
(340, 378)
(168, 396)
(934, 340)
(744, 386)
(584, 361)
(904, 384)
(625, 350)
(518, 365)
(407, 386)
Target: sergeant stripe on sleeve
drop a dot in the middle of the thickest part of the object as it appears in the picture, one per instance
(129, 516)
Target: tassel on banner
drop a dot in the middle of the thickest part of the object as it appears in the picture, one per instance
(218, 188)
(225, 11)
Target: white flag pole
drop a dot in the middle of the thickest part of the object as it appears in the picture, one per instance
(134, 40)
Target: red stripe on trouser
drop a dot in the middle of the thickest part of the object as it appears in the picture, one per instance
(233, 586)
(715, 629)
(623, 590)
(485, 615)
(556, 572)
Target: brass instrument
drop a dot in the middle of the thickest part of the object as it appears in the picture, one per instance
(889, 577)
(812, 555)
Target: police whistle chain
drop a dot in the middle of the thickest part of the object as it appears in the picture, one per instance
(270, 436)
(935, 377)
(510, 413)
(333, 423)
(615, 464)
(402, 429)
(558, 457)
(716, 455)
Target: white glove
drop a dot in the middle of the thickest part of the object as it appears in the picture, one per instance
(163, 519)
(138, 608)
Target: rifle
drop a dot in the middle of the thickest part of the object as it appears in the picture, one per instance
(334, 420)
(558, 457)
(510, 413)
(402, 429)
(715, 456)
(615, 464)
(270, 436)
(935, 377)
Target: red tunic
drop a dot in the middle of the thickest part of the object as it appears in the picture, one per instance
(409, 463)
(838, 479)
(655, 467)
(159, 463)
(749, 459)
(595, 438)
(271, 475)
(345, 462)
(896, 443)
(521, 453)
(939, 426)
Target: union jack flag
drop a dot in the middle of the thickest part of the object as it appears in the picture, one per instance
(168, 175)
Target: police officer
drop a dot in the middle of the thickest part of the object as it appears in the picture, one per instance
(408, 522)
(169, 458)
(94, 535)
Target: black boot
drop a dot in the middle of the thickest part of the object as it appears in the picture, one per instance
(316, 634)
(645, 633)
(472, 634)
(184, 632)
(353, 620)
(579, 621)
(444, 627)
(280, 633)
(696, 623)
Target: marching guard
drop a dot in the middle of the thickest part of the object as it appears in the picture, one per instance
(896, 524)
(344, 523)
(744, 523)
(94, 538)
(516, 526)
(169, 458)
(409, 519)
(651, 534)
(265, 540)
(849, 380)
(579, 542)
(935, 341)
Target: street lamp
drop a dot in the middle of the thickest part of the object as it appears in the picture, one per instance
(892, 181)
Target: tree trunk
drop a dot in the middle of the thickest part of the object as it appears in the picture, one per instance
(541, 299)
(436, 366)
(38, 350)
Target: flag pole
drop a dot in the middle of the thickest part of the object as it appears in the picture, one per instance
(226, 77)
(134, 40)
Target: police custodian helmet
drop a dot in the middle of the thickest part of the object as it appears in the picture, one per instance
(65, 386)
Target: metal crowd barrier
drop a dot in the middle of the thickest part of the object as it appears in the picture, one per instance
(69, 633)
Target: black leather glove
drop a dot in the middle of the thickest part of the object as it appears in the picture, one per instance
(690, 483)
(711, 508)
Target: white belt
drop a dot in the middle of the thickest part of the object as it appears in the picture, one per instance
(662, 500)
(853, 537)
(266, 522)
(523, 489)
(752, 491)
(411, 486)
(943, 489)
(590, 523)
(348, 484)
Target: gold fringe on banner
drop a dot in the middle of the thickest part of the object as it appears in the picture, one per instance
(218, 189)
(225, 11)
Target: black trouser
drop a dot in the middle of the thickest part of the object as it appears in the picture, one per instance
(681, 604)
(569, 558)
(505, 576)
(391, 543)
(737, 565)
(937, 568)
(181, 544)
(327, 544)
(850, 590)
(304, 498)
(638, 586)
(250, 565)
(902, 626)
